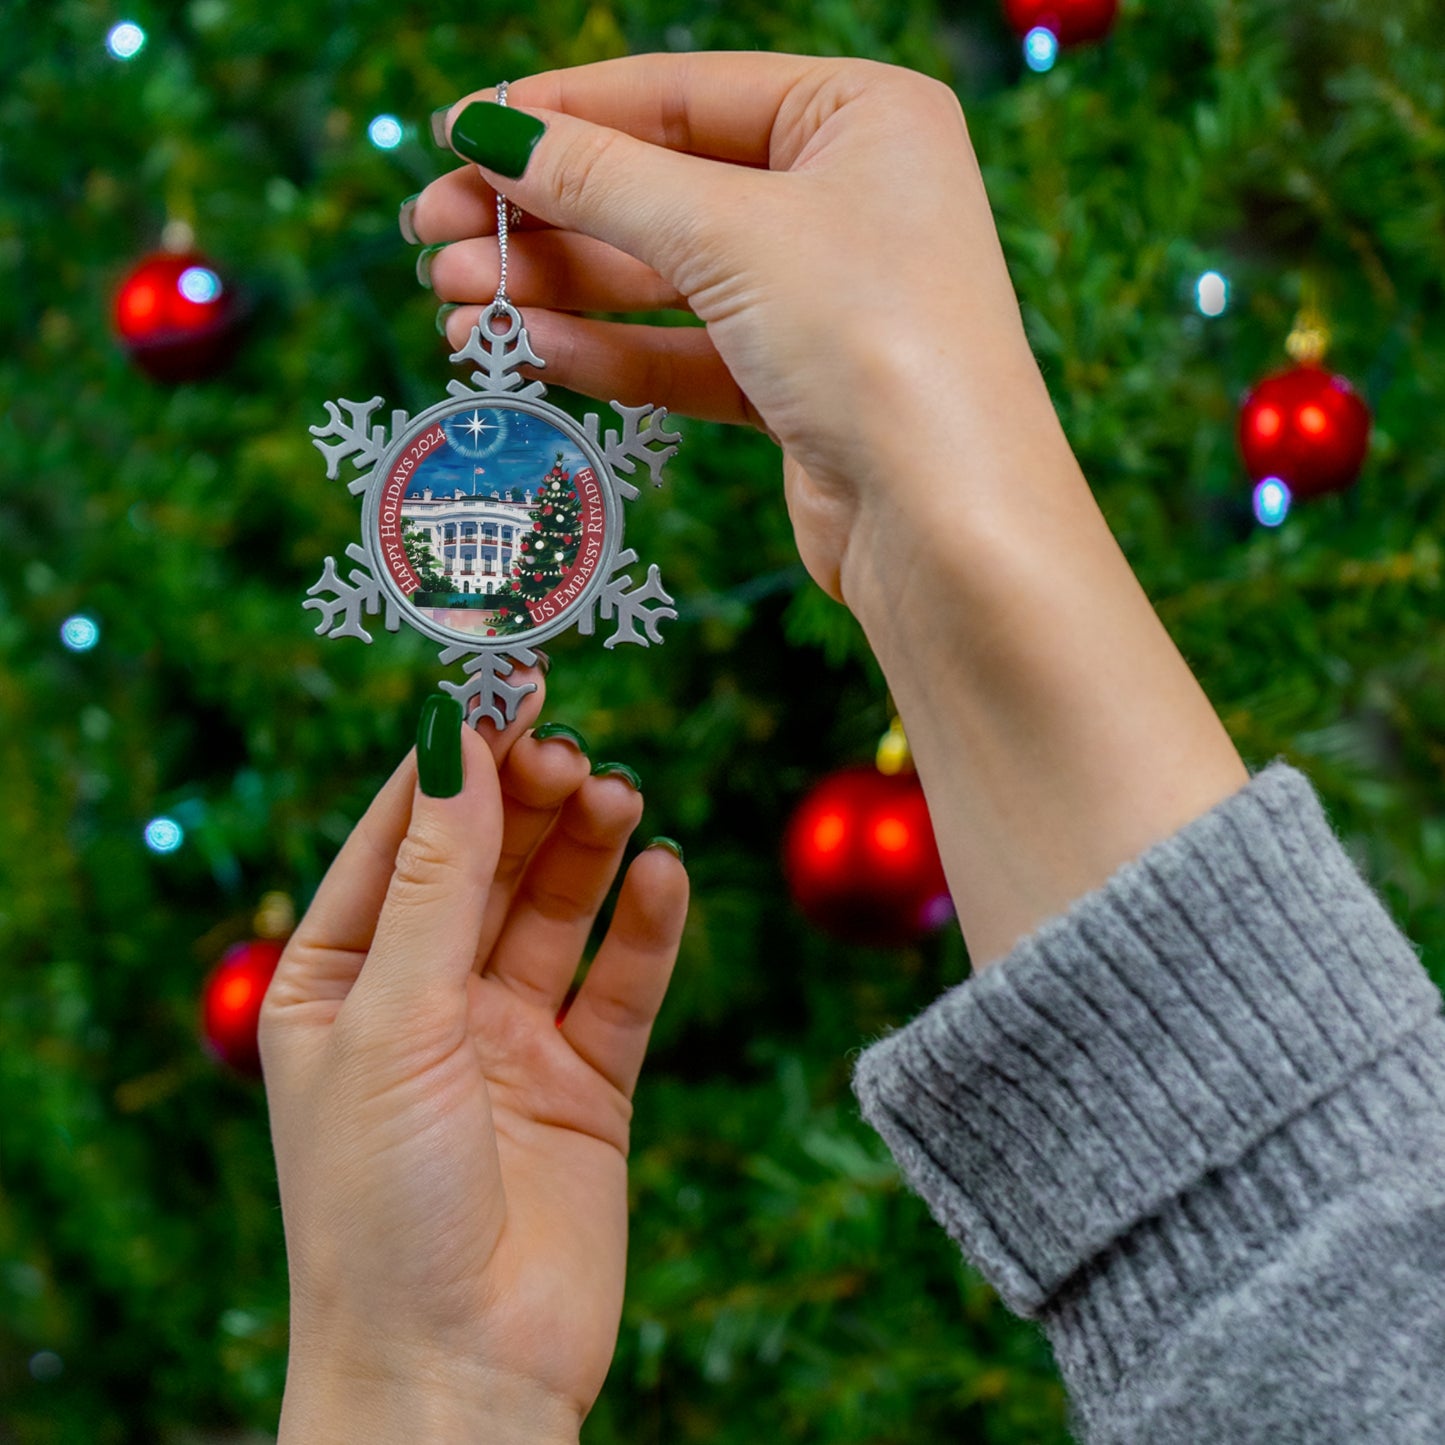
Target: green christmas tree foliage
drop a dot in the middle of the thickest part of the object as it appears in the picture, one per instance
(783, 1285)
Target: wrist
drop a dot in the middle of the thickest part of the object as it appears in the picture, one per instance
(1057, 730)
(409, 1397)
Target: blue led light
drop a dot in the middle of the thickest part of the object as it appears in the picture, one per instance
(385, 132)
(164, 835)
(80, 633)
(1271, 502)
(199, 284)
(126, 40)
(1211, 294)
(1041, 48)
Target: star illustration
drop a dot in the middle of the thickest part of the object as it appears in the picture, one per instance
(477, 426)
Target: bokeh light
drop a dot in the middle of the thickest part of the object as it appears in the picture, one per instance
(1271, 502)
(126, 40)
(164, 835)
(80, 633)
(385, 132)
(1041, 48)
(199, 284)
(1211, 294)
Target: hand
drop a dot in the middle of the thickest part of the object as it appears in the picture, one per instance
(452, 1158)
(826, 219)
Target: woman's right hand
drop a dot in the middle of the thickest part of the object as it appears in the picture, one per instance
(825, 218)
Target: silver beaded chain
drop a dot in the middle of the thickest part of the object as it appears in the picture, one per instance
(506, 213)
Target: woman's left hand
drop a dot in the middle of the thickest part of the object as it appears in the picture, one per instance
(452, 1155)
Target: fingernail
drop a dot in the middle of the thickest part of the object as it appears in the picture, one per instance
(423, 262)
(439, 125)
(561, 730)
(496, 136)
(671, 844)
(543, 661)
(617, 770)
(443, 311)
(439, 747)
(404, 219)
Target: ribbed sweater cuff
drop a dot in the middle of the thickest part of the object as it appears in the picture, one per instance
(1229, 979)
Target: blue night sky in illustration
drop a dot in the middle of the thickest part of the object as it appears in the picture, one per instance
(493, 449)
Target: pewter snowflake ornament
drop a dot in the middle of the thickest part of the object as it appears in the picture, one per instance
(492, 521)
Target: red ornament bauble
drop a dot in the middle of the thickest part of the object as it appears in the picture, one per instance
(1073, 22)
(1307, 427)
(176, 318)
(231, 1002)
(861, 860)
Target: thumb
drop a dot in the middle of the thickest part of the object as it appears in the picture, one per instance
(653, 203)
(425, 942)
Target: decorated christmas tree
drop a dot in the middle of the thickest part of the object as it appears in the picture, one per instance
(177, 745)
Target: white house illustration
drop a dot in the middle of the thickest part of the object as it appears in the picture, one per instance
(473, 537)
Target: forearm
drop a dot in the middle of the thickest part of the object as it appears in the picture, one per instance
(1056, 728)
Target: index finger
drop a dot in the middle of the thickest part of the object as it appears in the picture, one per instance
(723, 105)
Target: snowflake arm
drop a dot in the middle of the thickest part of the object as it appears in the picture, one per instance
(498, 355)
(630, 606)
(341, 613)
(486, 693)
(643, 438)
(359, 440)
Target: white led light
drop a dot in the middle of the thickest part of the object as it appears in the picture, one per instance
(1041, 48)
(80, 633)
(385, 132)
(126, 40)
(199, 284)
(164, 835)
(1211, 293)
(1271, 502)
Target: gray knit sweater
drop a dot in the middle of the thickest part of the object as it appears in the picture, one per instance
(1196, 1127)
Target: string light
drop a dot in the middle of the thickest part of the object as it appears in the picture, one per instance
(164, 835)
(1271, 502)
(126, 40)
(199, 284)
(80, 633)
(385, 132)
(1211, 294)
(1041, 48)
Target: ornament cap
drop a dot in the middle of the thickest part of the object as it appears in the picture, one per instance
(1308, 342)
(894, 756)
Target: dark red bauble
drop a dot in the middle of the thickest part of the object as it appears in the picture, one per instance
(176, 317)
(861, 860)
(1073, 22)
(231, 1003)
(1307, 427)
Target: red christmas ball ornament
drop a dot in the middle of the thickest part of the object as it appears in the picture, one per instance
(1306, 426)
(231, 1002)
(1071, 22)
(861, 861)
(176, 318)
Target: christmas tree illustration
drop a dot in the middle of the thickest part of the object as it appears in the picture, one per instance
(546, 552)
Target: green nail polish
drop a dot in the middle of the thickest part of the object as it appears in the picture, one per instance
(423, 262)
(439, 125)
(671, 844)
(404, 220)
(561, 730)
(443, 311)
(496, 136)
(617, 770)
(439, 746)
